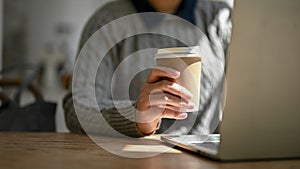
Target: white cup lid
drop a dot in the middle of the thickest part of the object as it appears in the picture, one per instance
(177, 52)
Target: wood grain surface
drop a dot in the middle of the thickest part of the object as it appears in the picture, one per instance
(74, 151)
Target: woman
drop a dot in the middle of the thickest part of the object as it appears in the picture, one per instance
(135, 120)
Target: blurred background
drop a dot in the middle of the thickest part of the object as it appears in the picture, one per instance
(47, 33)
(44, 32)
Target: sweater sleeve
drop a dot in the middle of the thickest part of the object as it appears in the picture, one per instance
(90, 108)
(120, 123)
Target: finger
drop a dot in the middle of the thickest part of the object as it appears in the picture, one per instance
(169, 114)
(155, 113)
(162, 72)
(163, 99)
(176, 109)
(172, 88)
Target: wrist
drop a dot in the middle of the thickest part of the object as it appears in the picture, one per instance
(148, 128)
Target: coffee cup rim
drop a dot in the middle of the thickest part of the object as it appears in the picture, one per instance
(177, 52)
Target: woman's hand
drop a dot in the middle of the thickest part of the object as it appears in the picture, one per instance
(161, 97)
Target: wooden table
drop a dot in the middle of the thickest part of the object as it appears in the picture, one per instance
(53, 150)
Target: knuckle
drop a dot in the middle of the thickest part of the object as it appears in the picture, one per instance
(143, 89)
(165, 84)
(153, 72)
(165, 98)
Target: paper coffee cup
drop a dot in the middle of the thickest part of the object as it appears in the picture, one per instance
(188, 63)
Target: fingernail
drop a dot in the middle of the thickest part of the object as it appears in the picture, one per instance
(187, 105)
(182, 116)
(186, 93)
(189, 94)
(175, 73)
(191, 105)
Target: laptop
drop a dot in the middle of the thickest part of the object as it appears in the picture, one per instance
(261, 118)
